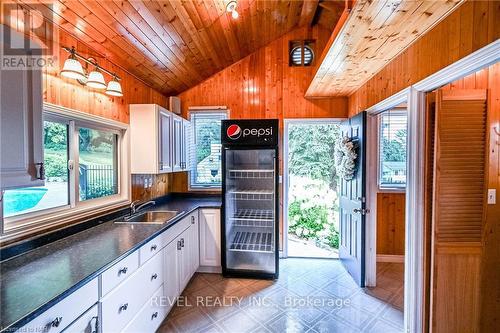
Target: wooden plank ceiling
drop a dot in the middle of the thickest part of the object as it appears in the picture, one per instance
(375, 32)
(173, 45)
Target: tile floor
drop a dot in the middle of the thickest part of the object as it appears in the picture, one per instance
(311, 295)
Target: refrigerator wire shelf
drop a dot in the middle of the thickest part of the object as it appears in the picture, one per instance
(253, 218)
(247, 241)
(251, 174)
(252, 194)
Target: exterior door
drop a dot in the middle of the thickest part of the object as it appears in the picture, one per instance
(353, 204)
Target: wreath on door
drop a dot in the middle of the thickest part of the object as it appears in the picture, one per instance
(345, 158)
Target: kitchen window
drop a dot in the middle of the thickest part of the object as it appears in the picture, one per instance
(392, 149)
(205, 152)
(84, 157)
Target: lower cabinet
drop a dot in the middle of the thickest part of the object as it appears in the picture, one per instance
(136, 293)
(210, 240)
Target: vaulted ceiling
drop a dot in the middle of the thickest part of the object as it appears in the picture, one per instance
(173, 45)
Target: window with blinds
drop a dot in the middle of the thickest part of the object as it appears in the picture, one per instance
(392, 149)
(205, 152)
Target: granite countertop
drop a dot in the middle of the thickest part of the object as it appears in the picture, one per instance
(34, 281)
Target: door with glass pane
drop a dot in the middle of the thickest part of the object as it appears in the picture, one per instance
(250, 210)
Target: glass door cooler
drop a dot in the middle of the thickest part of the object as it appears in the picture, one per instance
(250, 198)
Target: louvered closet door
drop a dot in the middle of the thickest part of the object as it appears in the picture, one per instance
(459, 205)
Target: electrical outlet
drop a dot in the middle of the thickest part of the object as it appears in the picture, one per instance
(492, 196)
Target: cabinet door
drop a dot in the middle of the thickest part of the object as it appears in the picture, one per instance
(87, 323)
(177, 143)
(186, 143)
(171, 272)
(185, 265)
(210, 243)
(21, 128)
(165, 142)
(194, 243)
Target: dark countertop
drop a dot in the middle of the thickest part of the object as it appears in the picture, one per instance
(34, 281)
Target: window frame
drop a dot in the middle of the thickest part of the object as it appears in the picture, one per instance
(24, 224)
(389, 187)
(202, 110)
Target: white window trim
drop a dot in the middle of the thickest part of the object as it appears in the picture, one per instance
(387, 188)
(201, 110)
(35, 222)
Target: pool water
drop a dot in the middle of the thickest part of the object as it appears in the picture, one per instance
(16, 201)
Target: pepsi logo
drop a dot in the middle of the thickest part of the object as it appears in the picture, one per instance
(233, 132)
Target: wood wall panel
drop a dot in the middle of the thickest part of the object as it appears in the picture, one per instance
(472, 26)
(489, 78)
(391, 223)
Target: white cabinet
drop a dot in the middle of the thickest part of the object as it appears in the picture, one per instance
(186, 144)
(171, 286)
(66, 311)
(194, 243)
(150, 139)
(21, 127)
(177, 143)
(87, 323)
(158, 140)
(150, 316)
(210, 240)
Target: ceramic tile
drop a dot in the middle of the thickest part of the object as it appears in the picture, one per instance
(287, 323)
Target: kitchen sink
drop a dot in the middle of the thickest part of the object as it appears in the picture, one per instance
(151, 217)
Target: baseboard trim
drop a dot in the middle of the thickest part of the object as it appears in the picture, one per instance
(390, 258)
(209, 269)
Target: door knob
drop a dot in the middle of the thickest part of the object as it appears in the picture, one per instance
(362, 211)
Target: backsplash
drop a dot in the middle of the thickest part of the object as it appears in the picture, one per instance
(148, 187)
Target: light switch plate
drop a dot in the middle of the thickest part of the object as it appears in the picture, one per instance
(492, 196)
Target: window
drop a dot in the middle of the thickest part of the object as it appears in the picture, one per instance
(392, 149)
(206, 152)
(83, 158)
(55, 193)
(301, 53)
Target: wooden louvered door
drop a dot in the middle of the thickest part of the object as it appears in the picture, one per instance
(459, 192)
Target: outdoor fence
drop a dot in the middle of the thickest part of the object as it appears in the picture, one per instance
(97, 181)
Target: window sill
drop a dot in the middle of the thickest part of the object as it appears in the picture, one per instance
(24, 227)
(392, 189)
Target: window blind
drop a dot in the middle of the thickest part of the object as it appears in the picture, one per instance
(392, 149)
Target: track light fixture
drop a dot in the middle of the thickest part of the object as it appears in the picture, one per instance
(95, 79)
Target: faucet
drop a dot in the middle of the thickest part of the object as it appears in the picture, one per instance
(134, 208)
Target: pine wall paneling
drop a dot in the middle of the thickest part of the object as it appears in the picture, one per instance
(473, 25)
(391, 223)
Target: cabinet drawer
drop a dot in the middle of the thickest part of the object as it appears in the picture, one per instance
(150, 316)
(119, 272)
(87, 323)
(151, 248)
(66, 311)
(125, 301)
(176, 230)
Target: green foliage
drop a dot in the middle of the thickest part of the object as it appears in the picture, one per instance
(311, 152)
(91, 140)
(96, 190)
(332, 237)
(55, 136)
(395, 150)
(56, 165)
(307, 221)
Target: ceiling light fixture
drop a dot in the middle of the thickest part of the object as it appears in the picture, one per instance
(231, 8)
(73, 69)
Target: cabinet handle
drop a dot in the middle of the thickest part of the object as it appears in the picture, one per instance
(56, 322)
(179, 245)
(123, 307)
(192, 219)
(123, 271)
(182, 242)
(154, 315)
(154, 276)
(95, 328)
(40, 171)
(153, 247)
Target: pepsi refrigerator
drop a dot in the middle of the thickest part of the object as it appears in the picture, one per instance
(250, 198)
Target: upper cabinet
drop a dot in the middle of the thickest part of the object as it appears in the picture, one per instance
(158, 140)
(21, 127)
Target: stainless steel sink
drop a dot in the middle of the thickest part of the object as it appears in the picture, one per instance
(151, 217)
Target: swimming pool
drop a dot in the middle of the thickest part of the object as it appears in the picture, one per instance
(18, 200)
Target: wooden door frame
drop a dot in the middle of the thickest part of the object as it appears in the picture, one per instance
(414, 279)
(287, 122)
